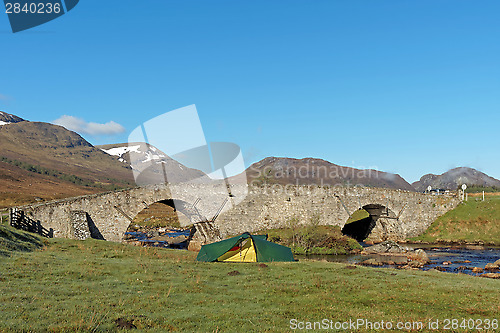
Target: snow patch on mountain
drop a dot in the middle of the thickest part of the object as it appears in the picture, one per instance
(138, 155)
(119, 151)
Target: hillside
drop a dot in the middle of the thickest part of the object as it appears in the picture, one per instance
(13, 240)
(473, 221)
(41, 161)
(309, 171)
(454, 178)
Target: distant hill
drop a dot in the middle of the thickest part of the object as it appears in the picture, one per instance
(454, 178)
(41, 161)
(151, 164)
(308, 171)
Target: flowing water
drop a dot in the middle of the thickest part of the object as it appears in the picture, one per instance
(169, 238)
(457, 257)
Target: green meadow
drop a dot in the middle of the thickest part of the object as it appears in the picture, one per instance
(62, 285)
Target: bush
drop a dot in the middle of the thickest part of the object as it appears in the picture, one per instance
(314, 239)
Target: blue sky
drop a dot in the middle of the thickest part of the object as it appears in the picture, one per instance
(409, 87)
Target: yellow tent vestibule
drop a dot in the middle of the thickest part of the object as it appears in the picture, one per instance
(240, 253)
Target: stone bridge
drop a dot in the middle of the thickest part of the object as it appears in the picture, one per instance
(393, 214)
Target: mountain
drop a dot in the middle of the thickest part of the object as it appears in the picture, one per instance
(308, 171)
(150, 164)
(454, 178)
(41, 161)
(6, 118)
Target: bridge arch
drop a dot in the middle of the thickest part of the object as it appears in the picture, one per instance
(362, 222)
(189, 214)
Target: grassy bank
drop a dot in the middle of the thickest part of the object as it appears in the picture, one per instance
(96, 286)
(473, 221)
(13, 241)
(318, 239)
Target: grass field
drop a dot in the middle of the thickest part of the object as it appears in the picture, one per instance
(473, 221)
(88, 285)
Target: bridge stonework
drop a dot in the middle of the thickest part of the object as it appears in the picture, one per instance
(108, 215)
(267, 208)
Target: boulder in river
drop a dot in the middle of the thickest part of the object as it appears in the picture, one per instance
(393, 249)
(477, 270)
(371, 262)
(177, 240)
(491, 275)
(152, 233)
(491, 267)
(385, 261)
(420, 256)
(415, 264)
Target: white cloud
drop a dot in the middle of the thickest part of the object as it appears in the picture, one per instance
(5, 98)
(81, 126)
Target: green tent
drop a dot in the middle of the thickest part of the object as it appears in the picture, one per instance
(245, 248)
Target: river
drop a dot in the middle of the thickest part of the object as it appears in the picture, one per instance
(458, 257)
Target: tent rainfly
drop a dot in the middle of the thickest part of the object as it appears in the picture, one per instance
(245, 248)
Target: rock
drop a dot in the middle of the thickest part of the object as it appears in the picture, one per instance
(461, 268)
(446, 263)
(194, 246)
(491, 267)
(474, 247)
(162, 239)
(497, 262)
(415, 264)
(462, 262)
(491, 275)
(408, 267)
(128, 237)
(399, 260)
(420, 256)
(477, 270)
(125, 323)
(439, 268)
(153, 233)
(385, 247)
(371, 262)
(177, 240)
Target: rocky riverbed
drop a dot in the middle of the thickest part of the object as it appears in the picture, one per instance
(480, 261)
(159, 237)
